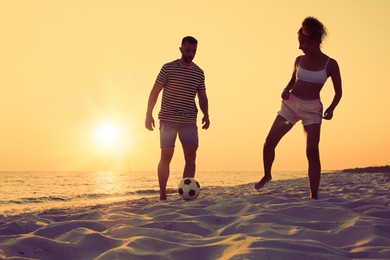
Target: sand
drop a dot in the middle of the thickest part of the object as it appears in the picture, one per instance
(351, 220)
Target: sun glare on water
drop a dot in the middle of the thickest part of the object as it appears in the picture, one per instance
(111, 137)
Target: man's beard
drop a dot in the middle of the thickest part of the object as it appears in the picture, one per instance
(188, 59)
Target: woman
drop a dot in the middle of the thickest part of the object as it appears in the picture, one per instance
(301, 101)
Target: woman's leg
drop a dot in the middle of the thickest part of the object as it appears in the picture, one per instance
(279, 128)
(313, 156)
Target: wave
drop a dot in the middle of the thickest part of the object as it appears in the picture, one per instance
(87, 197)
(33, 200)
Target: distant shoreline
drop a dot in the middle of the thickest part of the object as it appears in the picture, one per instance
(371, 169)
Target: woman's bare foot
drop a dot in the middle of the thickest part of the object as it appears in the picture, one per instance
(262, 182)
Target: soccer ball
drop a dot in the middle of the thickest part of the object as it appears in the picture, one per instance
(189, 188)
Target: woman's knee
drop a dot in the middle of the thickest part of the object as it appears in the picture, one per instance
(269, 144)
(312, 153)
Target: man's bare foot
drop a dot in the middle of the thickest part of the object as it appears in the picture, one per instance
(262, 182)
(163, 197)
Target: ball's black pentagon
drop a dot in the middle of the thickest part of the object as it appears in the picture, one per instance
(197, 184)
(181, 191)
(191, 193)
(187, 181)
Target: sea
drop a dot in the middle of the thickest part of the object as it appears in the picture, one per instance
(25, 192)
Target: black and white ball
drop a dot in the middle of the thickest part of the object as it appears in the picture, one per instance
(189, 188)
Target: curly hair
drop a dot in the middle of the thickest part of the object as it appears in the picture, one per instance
(314, 29)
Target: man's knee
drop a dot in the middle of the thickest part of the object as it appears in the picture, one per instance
(167, 154)
(190, 152)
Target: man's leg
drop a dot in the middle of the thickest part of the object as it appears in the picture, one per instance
(190, 157)
(188, 136)
(279, 128)
(168, 135)
(313, 156)
(163, 170)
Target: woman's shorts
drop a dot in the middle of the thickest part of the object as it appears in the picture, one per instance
(295, 109)
(188, 133)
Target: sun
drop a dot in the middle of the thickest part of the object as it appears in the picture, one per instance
(110, 137)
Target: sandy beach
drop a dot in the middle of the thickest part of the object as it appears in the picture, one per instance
(349, 221)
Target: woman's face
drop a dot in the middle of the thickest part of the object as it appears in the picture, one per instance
(306, 44)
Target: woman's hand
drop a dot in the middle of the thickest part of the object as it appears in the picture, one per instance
(328, 115)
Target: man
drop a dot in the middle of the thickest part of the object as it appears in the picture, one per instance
(181, 80)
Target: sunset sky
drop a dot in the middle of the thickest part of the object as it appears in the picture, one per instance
(71, 72)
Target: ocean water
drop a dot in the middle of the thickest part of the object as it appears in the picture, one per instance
(22, 192)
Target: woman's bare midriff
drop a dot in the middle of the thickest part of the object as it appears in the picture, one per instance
(307, 90)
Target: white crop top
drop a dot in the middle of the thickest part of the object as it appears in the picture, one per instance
(318, 76)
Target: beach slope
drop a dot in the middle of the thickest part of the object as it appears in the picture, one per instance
(350, 220)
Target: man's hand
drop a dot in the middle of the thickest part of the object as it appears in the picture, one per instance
(205, 122)
(149, 122)
(285, 94)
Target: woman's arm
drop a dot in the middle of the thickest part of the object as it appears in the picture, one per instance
(290, 85)
(336, 79)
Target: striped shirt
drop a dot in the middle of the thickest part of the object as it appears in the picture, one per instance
(181, 85)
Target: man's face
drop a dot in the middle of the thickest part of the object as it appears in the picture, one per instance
(188, 51)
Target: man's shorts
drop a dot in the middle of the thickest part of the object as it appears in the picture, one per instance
(188, 133)
(295, 109)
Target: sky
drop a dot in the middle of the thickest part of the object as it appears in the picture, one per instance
(72, 73)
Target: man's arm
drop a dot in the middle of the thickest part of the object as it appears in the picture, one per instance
(204, 106)
(149, 121)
